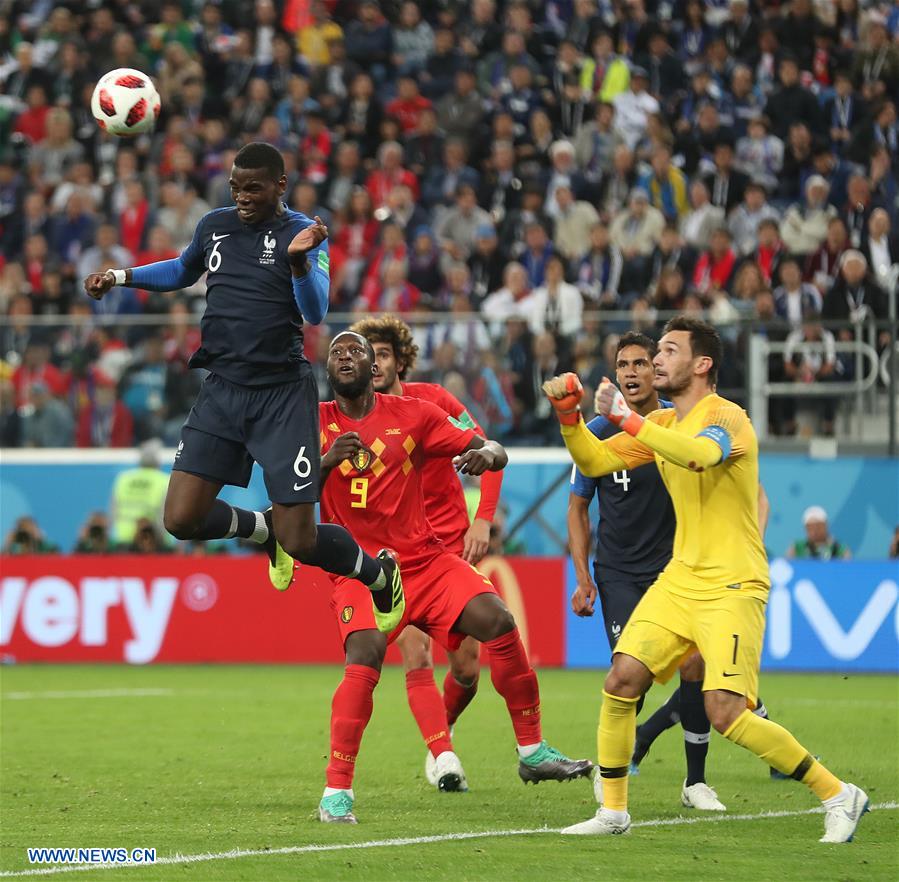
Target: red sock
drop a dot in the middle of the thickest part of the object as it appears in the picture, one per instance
(515, 680)
(456, 698)
(350, 712)
(427, 708)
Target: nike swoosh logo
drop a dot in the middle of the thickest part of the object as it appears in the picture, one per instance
(725, 674)
(301, 486)
(223, 236)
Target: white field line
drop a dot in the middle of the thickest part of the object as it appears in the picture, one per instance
(238, 853)
(86, 693)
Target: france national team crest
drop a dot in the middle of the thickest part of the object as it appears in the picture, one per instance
(346, 614)
(361, 460)
(269, 243)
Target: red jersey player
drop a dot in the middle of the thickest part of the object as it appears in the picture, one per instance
(447, 512)
(374, 447)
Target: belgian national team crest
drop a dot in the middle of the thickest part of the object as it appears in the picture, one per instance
(361, 460)
(346, 614)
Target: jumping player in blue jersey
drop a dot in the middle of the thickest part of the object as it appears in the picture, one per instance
(267, 270)
(634, 541)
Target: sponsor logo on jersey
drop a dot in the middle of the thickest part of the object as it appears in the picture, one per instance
(346, 614)
(393, 431)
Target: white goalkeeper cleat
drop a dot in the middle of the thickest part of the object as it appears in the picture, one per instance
(445, 772)
(702, 797)
(840, 820)
(604, 823)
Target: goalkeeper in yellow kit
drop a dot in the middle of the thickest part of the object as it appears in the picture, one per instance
(712, 594)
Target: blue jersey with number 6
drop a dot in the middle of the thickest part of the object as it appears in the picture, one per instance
(635, 533)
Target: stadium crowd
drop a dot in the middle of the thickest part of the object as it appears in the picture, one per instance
(535, 178)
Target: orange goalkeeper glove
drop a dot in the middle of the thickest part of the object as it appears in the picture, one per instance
(611, 404)
(565, 393)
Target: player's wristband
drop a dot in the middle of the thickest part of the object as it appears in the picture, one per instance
(119, 275)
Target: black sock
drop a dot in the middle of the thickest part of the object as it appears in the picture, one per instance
(225, 522)
(337, 552)
(697, 729)
(665, 717)
(640, 702)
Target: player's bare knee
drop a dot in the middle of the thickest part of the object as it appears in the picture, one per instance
(722, 708)
(179, 525)
(628, 677)
(416, 656)
(366, 648)
(693, 669)
(501, 622)
(301, 544)
(465, 671)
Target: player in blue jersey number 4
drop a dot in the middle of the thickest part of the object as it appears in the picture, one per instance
(266, 271)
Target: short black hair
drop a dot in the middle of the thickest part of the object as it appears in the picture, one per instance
(635, 338)
(370, 350)
(704, 340)
(258, 154)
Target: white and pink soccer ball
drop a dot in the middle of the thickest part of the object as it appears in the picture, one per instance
(125, 103)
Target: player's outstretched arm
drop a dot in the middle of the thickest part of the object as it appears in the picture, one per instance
(709, 448)
(310, 265)
(481, 456)
(164, 275)
(593, 457)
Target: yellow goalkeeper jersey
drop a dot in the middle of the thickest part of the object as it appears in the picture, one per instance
(709, 463)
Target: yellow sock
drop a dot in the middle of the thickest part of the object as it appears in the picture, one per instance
(777, 747)
(615, 746)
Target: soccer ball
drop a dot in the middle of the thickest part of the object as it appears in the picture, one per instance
(125, 103)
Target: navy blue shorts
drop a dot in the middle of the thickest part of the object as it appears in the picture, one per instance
(231, 426)
(618, 599)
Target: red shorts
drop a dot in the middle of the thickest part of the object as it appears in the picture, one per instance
(435, 597)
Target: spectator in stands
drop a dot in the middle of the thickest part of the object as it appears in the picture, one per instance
(461, 112)
(794, 298)
(633, 106)
(725, 184)
(791, 102)
(443, 181)
(574, 222)
(703, 218)
(821, 266)
(26, 537)
(94, 536)
(105, 422)
(107, 252)
(47, 422)
(744, 220)
(512, 300)
(759, 154)
(714, 270)
(369, 41)
(666, 185)
(856, 297)
(818, 544)
(804, 226)
(10, 418)
(538, 248)
(598, 273)
(485, 265)
(810, 357)
(882, 249)
(556, 306)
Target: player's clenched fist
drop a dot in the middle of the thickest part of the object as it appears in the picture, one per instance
(565, 393)
(97, 284)
(346, 446)
(610, 403)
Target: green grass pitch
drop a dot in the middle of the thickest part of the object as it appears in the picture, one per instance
(207, 760)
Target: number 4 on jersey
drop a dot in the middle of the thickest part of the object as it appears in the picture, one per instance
(622, 478)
